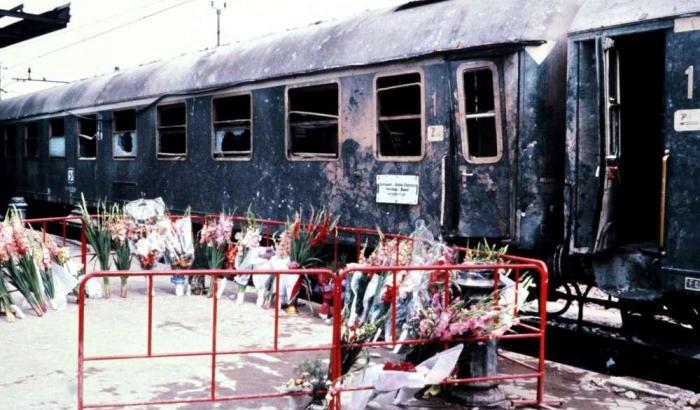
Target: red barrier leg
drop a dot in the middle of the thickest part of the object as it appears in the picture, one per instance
(81, 343)
(149, 289)
(215, 303)
(544, 282)
(83, 250)
(277, 311)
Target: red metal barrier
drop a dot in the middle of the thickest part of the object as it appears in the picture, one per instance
(214, 352)
(518, 265)
(525, 331)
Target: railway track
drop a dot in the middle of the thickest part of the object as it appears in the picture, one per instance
(657, 350)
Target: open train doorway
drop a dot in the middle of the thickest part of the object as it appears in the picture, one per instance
(633, 85)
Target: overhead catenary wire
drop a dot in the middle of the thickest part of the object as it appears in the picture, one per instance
(101, 33)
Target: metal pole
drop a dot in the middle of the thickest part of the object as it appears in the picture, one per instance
(218, 27)
(218, 6)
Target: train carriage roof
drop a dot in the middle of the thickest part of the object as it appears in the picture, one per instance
(418, 28)
(599, 14)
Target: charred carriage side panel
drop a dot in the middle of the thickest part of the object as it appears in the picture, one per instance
(582, 145)
(682, 263)
(540, 146)
(352, 54)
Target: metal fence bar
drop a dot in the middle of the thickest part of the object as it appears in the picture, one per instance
(214, 353)
(535, 333)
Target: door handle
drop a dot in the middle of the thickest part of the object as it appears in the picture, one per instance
(662, 204)
(465, 175)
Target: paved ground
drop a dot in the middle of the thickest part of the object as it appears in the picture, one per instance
(38, 358)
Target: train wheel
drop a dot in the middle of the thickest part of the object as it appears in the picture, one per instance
(563, 291)
(635, 315)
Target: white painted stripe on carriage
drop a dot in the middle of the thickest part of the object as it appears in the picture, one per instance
(540, 53)
(684, 24)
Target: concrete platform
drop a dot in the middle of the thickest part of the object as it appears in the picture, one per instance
(39, 358)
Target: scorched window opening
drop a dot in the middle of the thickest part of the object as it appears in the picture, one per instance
(31, 140)
(231, 123)
(57, 138)
(124, 136)
(399, 102)
(87, 137)
(172, 131)
(312, 122)
(10, 141)
(480, 111)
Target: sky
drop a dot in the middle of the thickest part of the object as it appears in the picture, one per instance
(104, 34)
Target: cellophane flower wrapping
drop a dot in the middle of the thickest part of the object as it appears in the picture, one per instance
(178, 242)
(246, 249)
(147, 242)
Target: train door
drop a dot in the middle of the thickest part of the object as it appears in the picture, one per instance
(632, 92)
(483, 173)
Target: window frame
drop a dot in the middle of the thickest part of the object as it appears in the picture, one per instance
(114, 131)
(497, 95)
(170, 157)
(62, 118)
(5, 141)
(213, 128)
(315, 157)
(97, 136)
(26, 126)
(375, 96)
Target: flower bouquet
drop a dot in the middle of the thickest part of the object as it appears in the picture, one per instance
(122, 230)
(20, 262)
(64, 272)
(310, 386)
(99, 236)
(179, 247)
(303, 244)
(247, 242)
(352, 336)
(149, 247)
(215, 237)
(6, 303)
(146, 239)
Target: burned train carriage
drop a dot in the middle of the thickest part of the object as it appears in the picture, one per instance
(633, 142)
(440, 110)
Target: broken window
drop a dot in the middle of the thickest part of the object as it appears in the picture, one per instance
(232, 121)
(312, 118)
(57, 138)
(10, 141)
(481, 114)
(172, 131)
(31, 140)
(124, 141)
(87, 137)
(399, 116)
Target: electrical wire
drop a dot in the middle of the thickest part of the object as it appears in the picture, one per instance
(130, 22)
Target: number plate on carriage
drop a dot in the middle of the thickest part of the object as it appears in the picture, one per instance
(692, 284)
